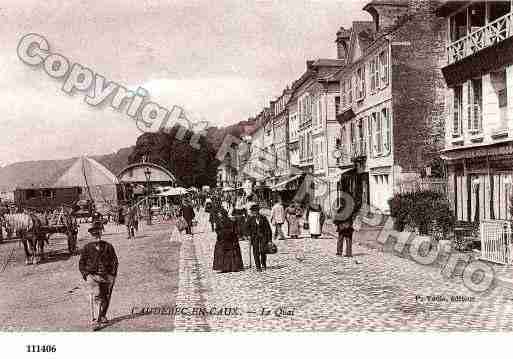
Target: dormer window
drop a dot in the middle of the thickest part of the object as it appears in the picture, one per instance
(360, 83)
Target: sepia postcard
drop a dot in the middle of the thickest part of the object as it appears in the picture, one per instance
(275, 166)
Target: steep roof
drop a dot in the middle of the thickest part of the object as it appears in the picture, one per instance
(86, 172)
(361, 37)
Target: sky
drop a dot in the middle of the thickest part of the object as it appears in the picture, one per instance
(223, 61)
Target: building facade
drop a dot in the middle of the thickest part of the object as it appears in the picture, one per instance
(392, 99)
(280, 131)
(313, 125)
(479, 74)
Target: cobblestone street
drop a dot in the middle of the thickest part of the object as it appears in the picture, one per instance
(306, 287)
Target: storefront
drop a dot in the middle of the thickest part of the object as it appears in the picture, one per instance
(480, 182)
(377, 188)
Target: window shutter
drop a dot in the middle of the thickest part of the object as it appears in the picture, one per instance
(380, 132)
(384, 67)
(385, 129)
(376, 73)
(318, 110)
(363, 81)
(369, 134)
(371, 72)
(343, 94)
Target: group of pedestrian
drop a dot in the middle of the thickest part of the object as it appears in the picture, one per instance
(98, 262)
(230, 228)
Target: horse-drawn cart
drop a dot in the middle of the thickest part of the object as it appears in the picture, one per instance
(62, 222)
(34, 228)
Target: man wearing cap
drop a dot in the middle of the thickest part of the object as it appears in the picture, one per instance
(98, 265)
(259, 232)
(344, 219)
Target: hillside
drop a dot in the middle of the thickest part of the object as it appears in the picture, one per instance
(46, 172)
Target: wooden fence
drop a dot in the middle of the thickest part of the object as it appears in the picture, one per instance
(424, 184)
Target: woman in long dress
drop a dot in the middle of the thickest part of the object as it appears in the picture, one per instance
(227, 254)
(293, 213)
(315, 219)
(217, 215)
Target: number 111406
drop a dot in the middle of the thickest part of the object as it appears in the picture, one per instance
(41, 348)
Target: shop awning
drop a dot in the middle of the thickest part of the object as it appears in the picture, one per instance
(173, 191)
(338, 173)
(282, 185)
(498, 149)
(345, 116)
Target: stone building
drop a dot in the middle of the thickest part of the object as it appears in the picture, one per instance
(392, 99)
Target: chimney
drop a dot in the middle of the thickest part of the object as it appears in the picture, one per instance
(386, 15)
(342, 42)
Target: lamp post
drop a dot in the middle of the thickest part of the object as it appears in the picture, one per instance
(147, 174)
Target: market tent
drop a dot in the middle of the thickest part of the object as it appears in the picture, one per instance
(97, 183)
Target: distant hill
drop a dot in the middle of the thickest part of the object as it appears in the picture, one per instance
(46, 172)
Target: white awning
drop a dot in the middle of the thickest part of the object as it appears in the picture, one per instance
(173, 191)
(338, 173)
(281, 186)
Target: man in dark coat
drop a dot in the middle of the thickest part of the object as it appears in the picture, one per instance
(260, 233)
(188, 214)
(343, 220)
(98, 265)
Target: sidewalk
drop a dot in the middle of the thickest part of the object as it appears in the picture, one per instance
(368, 237)
(307, 287)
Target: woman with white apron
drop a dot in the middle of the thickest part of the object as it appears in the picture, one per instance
(314, 217)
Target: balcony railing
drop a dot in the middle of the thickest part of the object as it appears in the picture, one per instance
(359, 149)
(488, 35)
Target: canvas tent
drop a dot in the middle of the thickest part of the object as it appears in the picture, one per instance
(97, 182)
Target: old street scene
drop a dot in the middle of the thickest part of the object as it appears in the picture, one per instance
(368, 189)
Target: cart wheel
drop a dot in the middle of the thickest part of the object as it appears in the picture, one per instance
(72, 243)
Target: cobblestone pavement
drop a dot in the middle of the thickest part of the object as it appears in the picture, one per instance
(374, 291)
(306, 287)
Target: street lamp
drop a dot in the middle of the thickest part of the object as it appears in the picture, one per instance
(147, 174)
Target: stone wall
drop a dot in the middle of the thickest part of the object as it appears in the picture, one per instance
(418, 89)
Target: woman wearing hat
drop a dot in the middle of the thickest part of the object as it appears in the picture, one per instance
(227, 255)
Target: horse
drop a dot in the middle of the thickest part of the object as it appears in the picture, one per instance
(28, 228)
